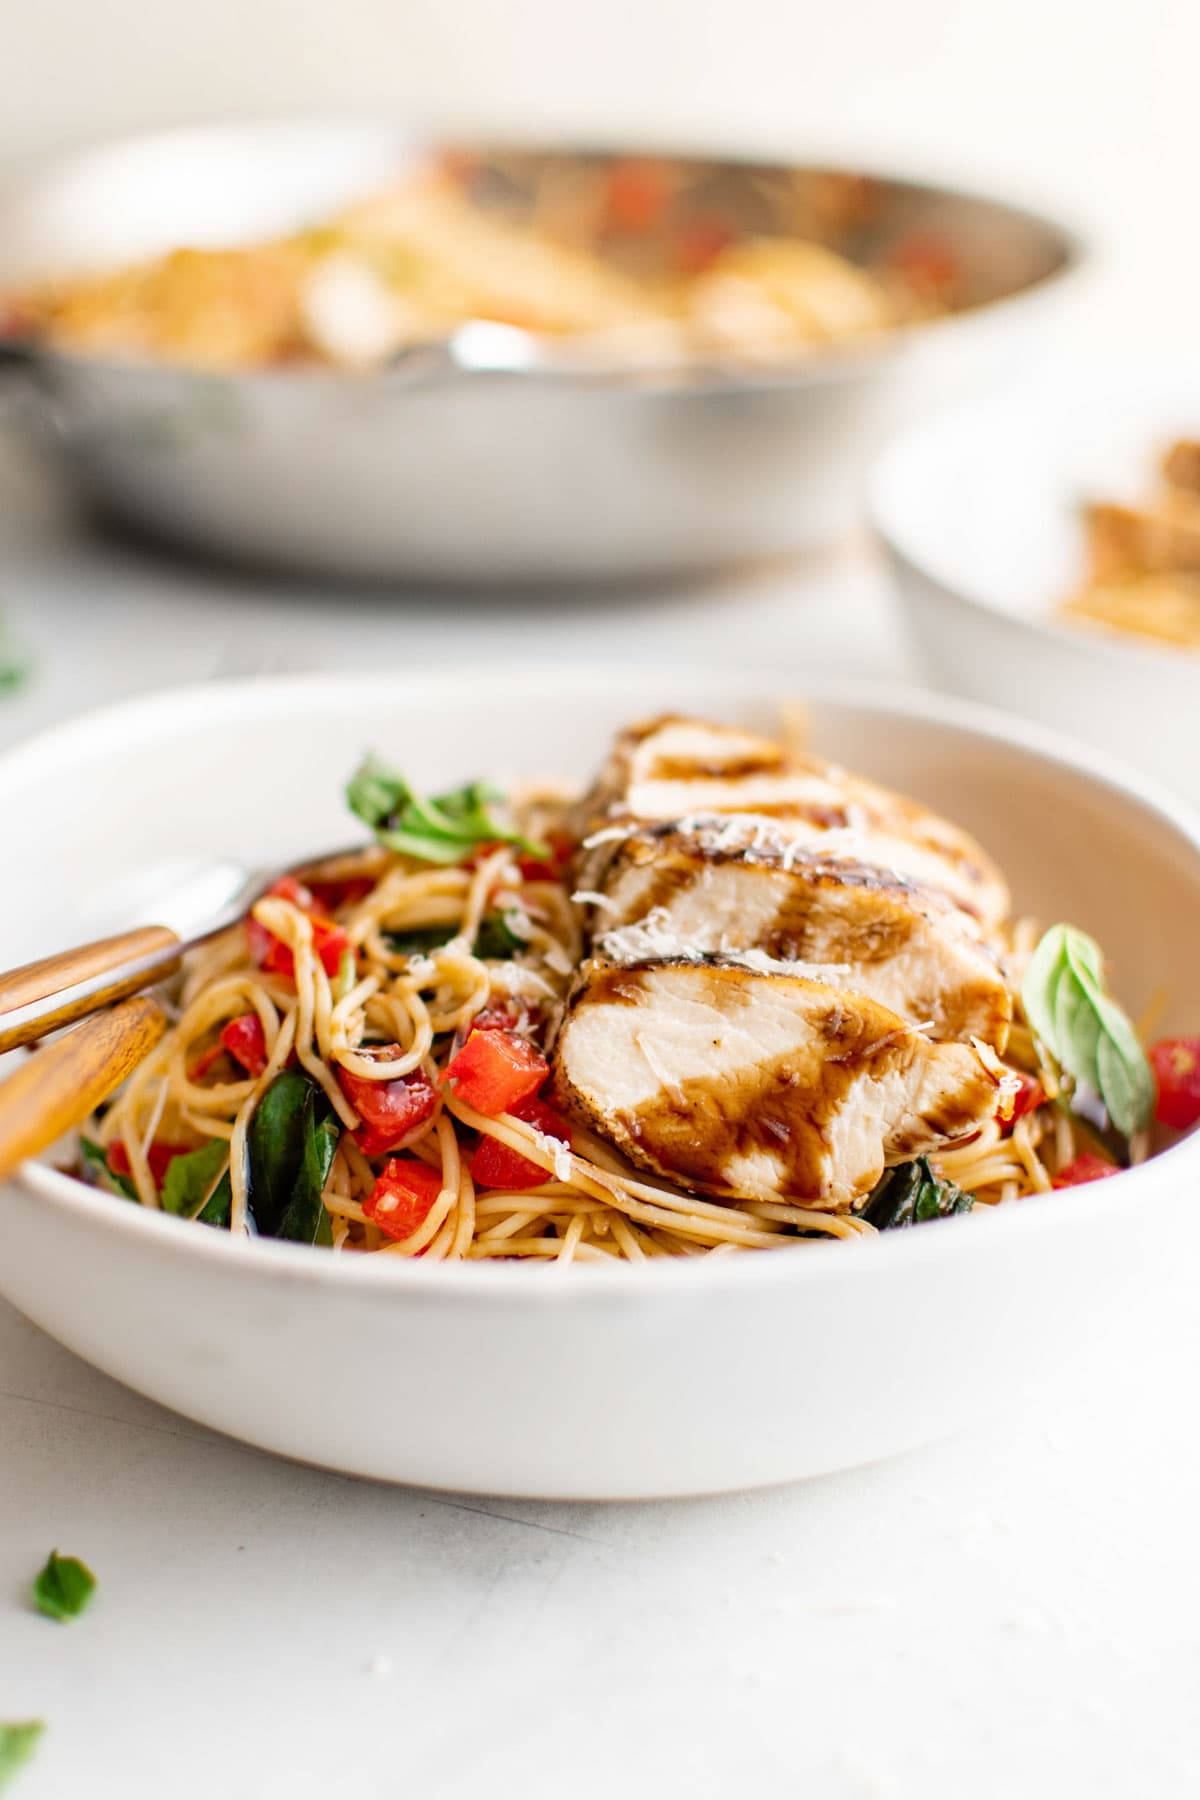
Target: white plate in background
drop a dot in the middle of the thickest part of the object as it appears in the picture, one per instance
(979, 510)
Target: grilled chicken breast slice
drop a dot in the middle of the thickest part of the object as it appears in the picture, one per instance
(763, 1086)
(672, 893)
(675, 769)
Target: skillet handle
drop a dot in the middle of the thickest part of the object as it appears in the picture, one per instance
(41, 996)
(55, 1090)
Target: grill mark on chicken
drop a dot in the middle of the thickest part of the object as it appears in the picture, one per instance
(852, 1087)
(668, 768)
(728, 774)
(902, 945)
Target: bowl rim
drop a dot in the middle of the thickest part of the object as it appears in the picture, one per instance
(548, 361)
(887, 520)
(140, 719)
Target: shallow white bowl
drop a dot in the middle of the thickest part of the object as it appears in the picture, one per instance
(979, 511)
(666, 1379)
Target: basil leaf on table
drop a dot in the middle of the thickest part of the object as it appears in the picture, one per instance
(911, 1194)
(444, 829)
(14, 673)
(94, 1158)
(1088, 1034)
(18, 1741)
(15, 667)
(191, 1179)
(63, 1587)
(292, 1140)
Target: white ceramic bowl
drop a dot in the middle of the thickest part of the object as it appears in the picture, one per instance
(979, 511)
(667, 1379)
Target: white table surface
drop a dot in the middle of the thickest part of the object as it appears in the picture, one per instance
(1015, 1612)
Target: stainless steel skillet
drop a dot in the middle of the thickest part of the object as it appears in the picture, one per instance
(496, 457)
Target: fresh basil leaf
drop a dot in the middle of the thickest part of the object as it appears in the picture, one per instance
(377, 794)
(1084, 1029)
(219, 1206)
(94, 1158)
(305, 1220)
(190, 1179)
(63, 1587)
(292, 1139)
(439, 830)
(18, 1741)
(497, 939)
(911, 1194)
(275, 1142)
(420, 940)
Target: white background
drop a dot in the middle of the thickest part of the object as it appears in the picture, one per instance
(1014, 1613)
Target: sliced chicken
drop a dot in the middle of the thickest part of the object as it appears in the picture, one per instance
(1160, 537)
(762, 1086)
(689, 771)
(672, 893)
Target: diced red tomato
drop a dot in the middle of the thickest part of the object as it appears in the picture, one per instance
(927, 260)
(160, 1156)
(561, 846)
(329, 895)
(402, 1197)
(274, 957)
(203, 1063)
(1027, 1098)
(495, 1070)
(700, 244)
(496, 1018)
(1087, 1167)
(288, 888)
(494, 1165)
(637, 195)
(391, 1111)
(1176, 1065)
(246, 1042)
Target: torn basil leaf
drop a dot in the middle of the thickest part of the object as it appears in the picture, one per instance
(18, 1741)
(911, 1194)
(292, 1140)
(1087, 1033)
(63, 1587)
(444, 829)
(191, 1179)
(94, 1158)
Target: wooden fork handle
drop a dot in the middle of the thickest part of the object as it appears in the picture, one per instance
(55, 1090)
(41, 996)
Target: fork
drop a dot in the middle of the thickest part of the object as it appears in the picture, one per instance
(41, 996)
(60, 1086)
